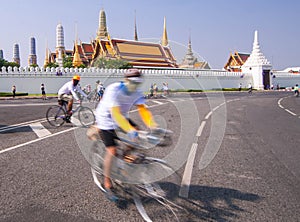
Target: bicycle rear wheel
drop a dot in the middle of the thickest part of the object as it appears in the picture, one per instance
(86, 116)
(164, 192)
(56, 115)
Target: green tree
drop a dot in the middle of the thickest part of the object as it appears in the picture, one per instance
(68, 62)
(34, 65)
(6, 64)
(111, 63)
(51, 64)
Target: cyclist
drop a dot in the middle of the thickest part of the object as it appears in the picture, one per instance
(112, 112)
(68, 92)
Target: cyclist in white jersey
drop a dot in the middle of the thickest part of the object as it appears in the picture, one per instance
(112, 112)
(68, 92)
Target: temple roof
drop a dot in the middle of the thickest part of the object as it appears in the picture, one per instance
(235, 61)
(135, 52)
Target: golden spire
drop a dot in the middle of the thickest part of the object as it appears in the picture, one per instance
(47, 60)
(164, 40)
(76, 57)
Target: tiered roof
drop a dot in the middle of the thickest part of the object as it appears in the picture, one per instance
(235, 61)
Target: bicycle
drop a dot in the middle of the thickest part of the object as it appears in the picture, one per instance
(57, 114)
(133, 170)
(94, 98)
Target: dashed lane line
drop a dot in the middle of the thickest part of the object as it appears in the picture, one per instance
(186, 178)
(187, 174)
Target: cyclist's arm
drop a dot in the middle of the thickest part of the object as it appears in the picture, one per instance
(121, 120)
(81, 92)
(74, 95)
(146, 116)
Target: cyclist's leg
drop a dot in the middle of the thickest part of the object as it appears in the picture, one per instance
(108, 137)
(70, 106)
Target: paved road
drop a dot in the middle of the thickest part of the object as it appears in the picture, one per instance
(239, 152)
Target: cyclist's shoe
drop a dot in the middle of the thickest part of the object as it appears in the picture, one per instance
(110, 195)
(68, 119)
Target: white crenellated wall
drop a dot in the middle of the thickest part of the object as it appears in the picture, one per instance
(29, 79)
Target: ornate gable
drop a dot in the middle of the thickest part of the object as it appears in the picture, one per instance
(235, 61)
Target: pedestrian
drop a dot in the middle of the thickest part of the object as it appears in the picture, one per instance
(14, 89)
(43, 91)
(296, 90)
(151, 90)
(240, 87)
(165, 89)
(155, 90)
(249, 88)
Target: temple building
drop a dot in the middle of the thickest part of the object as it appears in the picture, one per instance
(191, 62)
(235, 61)
(136, 53)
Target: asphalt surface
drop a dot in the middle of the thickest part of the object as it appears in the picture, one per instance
(248, 173)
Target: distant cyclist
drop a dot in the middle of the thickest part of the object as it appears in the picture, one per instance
(68, 92)
(296, 90)
(113, 112)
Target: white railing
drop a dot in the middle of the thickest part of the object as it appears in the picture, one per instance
(40, 71)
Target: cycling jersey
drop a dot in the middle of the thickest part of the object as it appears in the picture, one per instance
(68, 88)
(116, 98)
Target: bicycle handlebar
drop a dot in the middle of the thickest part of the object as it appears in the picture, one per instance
(153, 137)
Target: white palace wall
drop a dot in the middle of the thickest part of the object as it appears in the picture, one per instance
(29, 80)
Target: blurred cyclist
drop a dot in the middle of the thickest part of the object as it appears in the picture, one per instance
(113, 112)
(68, 92)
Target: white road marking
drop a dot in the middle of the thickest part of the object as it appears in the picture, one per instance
(287, 110)
(39, 129)
(200, 129)
(294, 114)
(187, 175)
(155, 101)
(27, 104)
(171, 101)
(36, 140)
(208, 115)
(6, 128)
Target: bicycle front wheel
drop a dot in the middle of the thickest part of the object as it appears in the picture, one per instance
(56, 115)
(86, 116)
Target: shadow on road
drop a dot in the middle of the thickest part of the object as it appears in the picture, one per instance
(212, 203)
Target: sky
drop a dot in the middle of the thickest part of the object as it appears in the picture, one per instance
(216, 27)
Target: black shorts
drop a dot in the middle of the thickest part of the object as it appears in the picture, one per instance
(109, 137)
